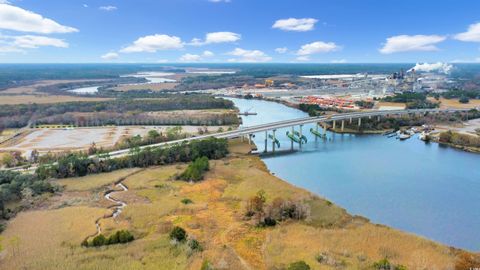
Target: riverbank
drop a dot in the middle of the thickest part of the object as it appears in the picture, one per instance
(216, 218)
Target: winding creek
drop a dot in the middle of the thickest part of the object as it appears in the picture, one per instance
(117, 208)
(422, 188)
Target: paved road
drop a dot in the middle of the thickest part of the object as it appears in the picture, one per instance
(276, 125)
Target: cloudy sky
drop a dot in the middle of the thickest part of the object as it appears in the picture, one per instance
(311, 31)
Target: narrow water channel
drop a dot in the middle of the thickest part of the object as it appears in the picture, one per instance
(426, 189)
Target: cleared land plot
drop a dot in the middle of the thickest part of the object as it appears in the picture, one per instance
(44, 99)
(216, 218)
(44, 140)
(146, 86)
(453, 103)
(390, 106)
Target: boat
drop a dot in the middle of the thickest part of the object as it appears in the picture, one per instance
(424, 136)
(404, 136)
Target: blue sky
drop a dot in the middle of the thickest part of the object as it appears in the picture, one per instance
(324, 31)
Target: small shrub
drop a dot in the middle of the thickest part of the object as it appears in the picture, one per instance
(384, 264)
(194, 245)
(268, 221)
(206, 265)
(178, 234)
(98, 240)
(119, 237)
(300, 265)
(187, 201)
(195, 170)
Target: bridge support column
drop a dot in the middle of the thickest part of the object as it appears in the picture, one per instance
(350, 120)
(378, 118)
(273, 141)
(291, 141)
(334, 124)
(250, 139)
(324, 129)
(359, 122)
(316, 129)
(300, 144)
(266, 142)
(343, 124)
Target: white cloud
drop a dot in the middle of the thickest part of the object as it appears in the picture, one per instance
(338, 61)
(4, 2)
(162, 61)
(110, 56)
(85, 5)
(108, 8)
(18, 19)
(433, 67)
(298, 25)
(405, 43)
(317, 47)
(208, 54)
(281, 50)
(472, 34)
(190, 58)
(216, 37)
(195, 57)
(20, 43)
(154, 43)
(249, 56)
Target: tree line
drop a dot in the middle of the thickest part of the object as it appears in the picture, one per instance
(79, 164)
(15, 116)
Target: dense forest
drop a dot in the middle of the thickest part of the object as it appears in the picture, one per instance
(15, 116)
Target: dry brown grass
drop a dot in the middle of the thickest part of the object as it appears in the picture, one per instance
(149, 86)
(216, 219)
(453, 103)
(93, 181)
(44, 99)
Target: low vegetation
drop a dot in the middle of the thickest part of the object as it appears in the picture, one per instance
(195, 170)
(413, 100)
(119, 237)
(263, 214)
(459, 139)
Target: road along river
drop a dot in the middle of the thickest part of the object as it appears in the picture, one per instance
(426, 189)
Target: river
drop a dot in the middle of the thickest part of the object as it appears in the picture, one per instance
(422, 188)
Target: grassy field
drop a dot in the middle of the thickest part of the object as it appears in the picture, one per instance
(50, 238)
(150, 86)
(453, 103)
(44, 99)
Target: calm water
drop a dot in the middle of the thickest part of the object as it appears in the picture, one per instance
(426, 189)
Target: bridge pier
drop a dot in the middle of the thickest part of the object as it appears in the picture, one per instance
(250, 139)
(359, 122)
(324, 129)
(378, 118)
(343, 124)
(350, 120)
(273, 141)
(266, 142)
(291, 141)
(300, 144)
(334, 124)
(316, 129)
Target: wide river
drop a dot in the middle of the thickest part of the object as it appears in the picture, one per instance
(426, 189)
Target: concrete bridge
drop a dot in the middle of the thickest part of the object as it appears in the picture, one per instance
(320, 120)
(248, 132)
